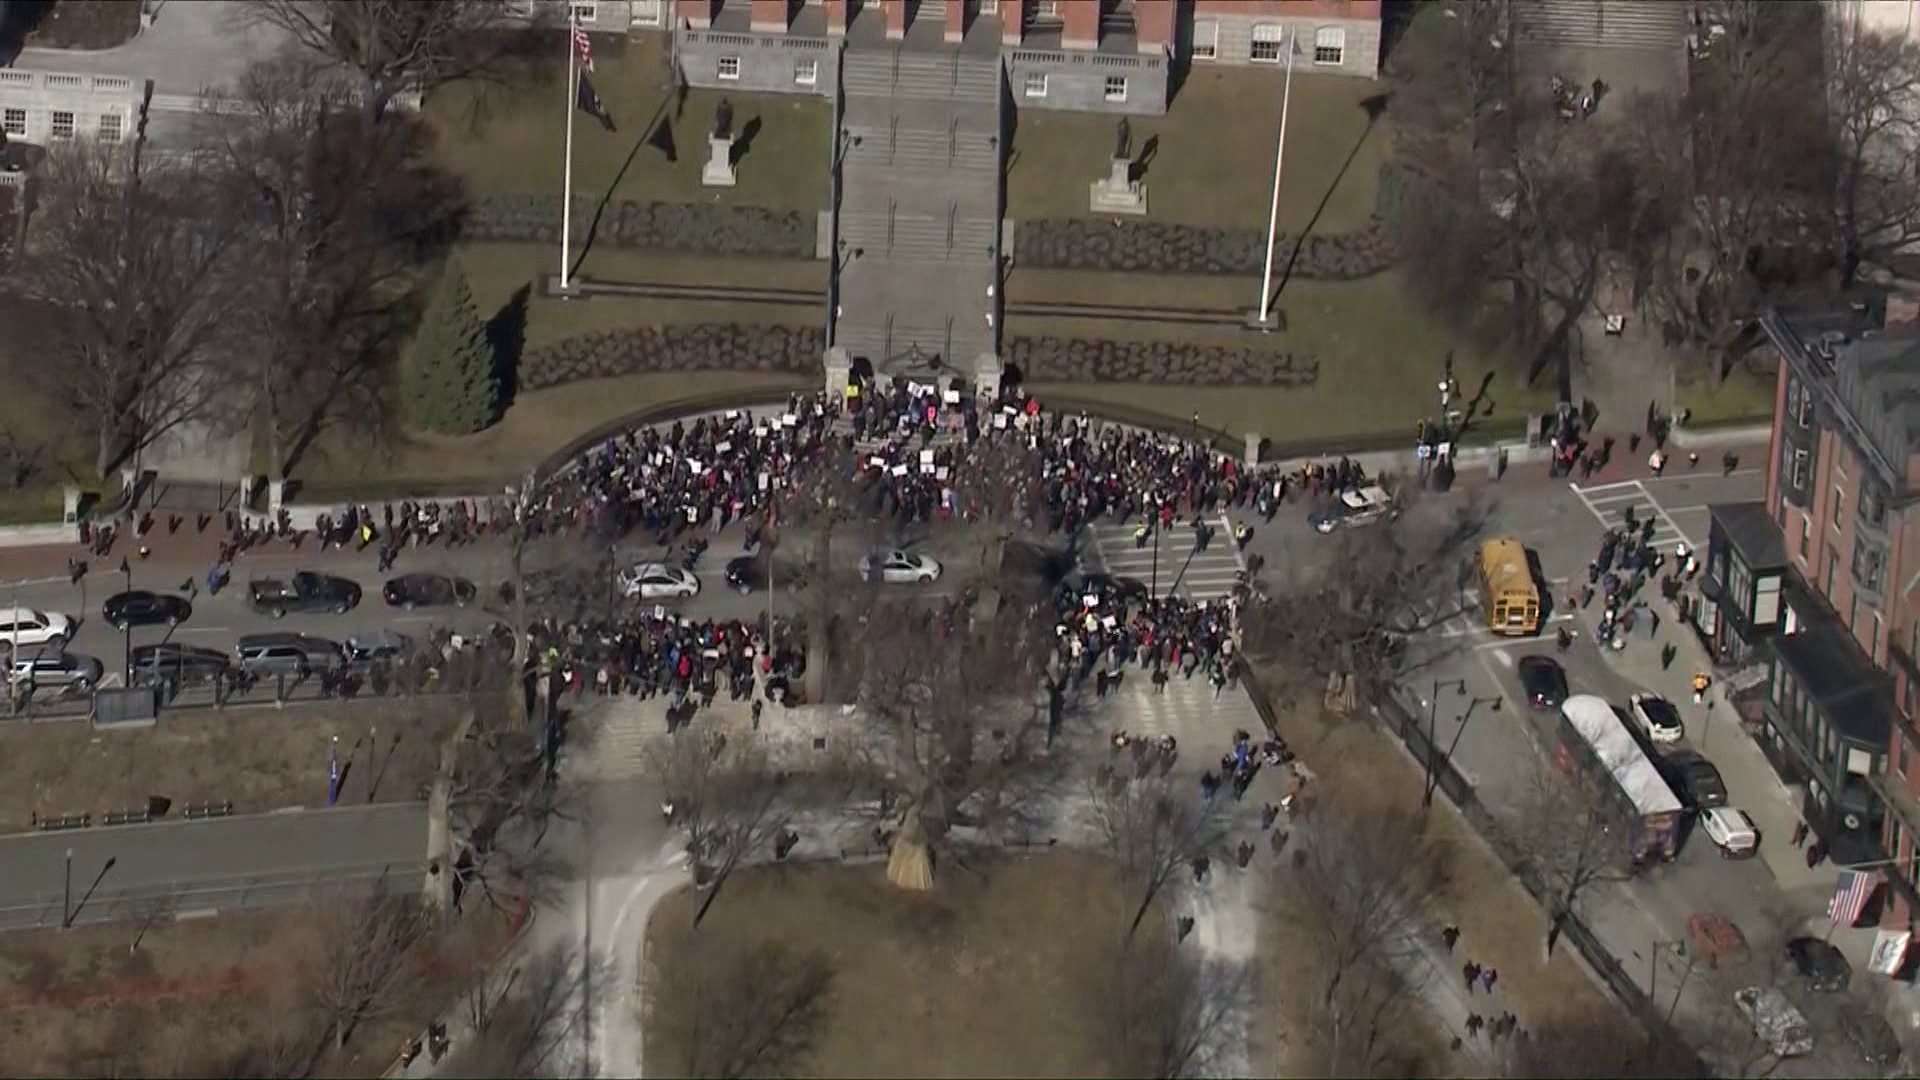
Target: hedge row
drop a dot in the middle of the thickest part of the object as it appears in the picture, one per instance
(690, 347)
(1082, 360)
(701, 228)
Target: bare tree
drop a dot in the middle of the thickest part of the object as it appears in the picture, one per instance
(727, 800)
(503, 801)
(359, 958)
(138, 261)
(392, 46)
(1163, 1011)
(521, 1018)
(1873, 96)
(956, 727)
(341, 212)
(1572, 839)
(1153, 828)
(1351, 615)
(1359, 886)
(1579, 1051)
(743, 1009)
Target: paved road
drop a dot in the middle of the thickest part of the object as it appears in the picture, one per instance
(209, 866)
(1502, 752)
(192, 45)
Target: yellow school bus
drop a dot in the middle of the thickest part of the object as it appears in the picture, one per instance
(1507, 592)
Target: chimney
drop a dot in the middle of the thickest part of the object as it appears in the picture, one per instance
(1902, 310)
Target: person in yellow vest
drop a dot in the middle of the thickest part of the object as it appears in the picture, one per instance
(1700, 684)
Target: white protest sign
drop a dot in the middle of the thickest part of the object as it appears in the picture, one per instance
(763, 481)
(940, 473)
(1000, 422)
(723, 447)
(899, 470)
(659, 611)
(925, 468)
(789, 419)
(926, 457)
(952, 397)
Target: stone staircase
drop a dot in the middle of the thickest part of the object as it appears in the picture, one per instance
(929, 76)
(919, 214)
(1655, 25)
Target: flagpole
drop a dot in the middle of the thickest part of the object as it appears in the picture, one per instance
(566, 185)
(1273, 214)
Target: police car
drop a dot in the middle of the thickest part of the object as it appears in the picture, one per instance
(1354, 506)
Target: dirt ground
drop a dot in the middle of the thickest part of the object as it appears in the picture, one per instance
(87, 24)
(196, 998)
(973, 979)
(260, 758)
(1500, 924)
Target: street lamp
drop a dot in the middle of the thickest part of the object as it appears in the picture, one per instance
(126, 628)
(1678, 947)
(1433, 709)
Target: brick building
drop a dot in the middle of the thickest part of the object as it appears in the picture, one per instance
(1839, 535)
(1089, 55)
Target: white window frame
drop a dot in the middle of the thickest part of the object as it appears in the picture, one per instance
(989, 7)
(14, 122)
(584, 11)
(1206, 39)
(1330, 46)
(113, 127)
(1034, 85)
(1046, 9)
(54, 134)
(724, 65)
(1114, 90)
(806, 72)
(1272, 34)
(647, 12)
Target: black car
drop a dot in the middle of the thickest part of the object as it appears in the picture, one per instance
(143, 608)
(1824, 967)
(748, 573)
(428, 590)
(1544, 680)
(1698, 781)
(305, 591)
(378, 647)
(176, 662)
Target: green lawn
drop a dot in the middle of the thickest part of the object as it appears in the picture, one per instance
(506, 137)
(1214, 161)
(1379, 353)
(498, 271)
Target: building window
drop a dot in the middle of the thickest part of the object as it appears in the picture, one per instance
(14, 122)
(1046, 9)
(1766, 601)
(989, 7)
(1833, 565)
(1873, 651)
(1873, 507)
(1266, 43)
(1839, 508)
(1806, 534)
(110, 127)
(806, 72)
(645, 12)
(1116, 88)
(729, 68)
(1206, 39)
(586, 11)
(1869, 566)
(1035, 85)
(1329, 45)
(1803, 407)
(62, 126)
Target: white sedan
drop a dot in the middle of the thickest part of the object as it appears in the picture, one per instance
(1354, 506)
(1731, 830)
(898, 567)
(657, 581)
(1658, 718)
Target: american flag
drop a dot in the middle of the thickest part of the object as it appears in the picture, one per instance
(582, 45)
(1849, 897)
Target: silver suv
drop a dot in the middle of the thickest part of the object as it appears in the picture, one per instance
(287, 654)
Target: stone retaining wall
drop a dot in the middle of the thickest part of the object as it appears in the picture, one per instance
(1084, 360)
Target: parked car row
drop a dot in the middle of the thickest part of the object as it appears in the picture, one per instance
(1694, 779)
(662, 581)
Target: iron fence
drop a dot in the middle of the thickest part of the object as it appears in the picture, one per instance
(199, 897)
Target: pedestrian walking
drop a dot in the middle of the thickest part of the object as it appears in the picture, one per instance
(1471, 971)
(1488, 977)
(1449, 937)
(1474, 1024)
(1799, 833)
(1729, 461)
(1244, 853)
(1183, 927)
(1667, 653)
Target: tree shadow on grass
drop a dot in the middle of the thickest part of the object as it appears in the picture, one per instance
(507, 337)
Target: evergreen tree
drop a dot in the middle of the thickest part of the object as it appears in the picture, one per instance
(448, 383)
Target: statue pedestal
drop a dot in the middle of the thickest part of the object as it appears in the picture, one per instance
(718, 171)
(1118, 192)
(839, 372)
